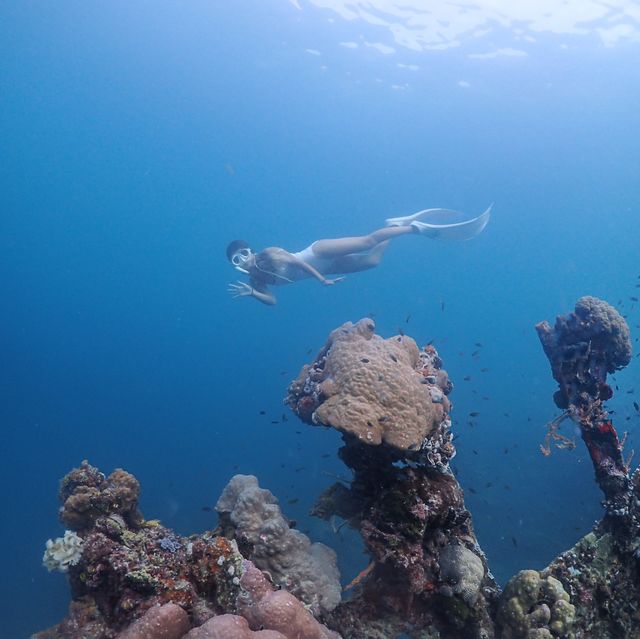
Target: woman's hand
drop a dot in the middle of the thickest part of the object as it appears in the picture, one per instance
(328, 282)
(240, 289)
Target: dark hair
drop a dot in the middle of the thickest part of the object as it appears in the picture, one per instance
(234, 246)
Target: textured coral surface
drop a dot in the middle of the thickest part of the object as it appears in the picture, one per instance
(308, 570)
(370, 387)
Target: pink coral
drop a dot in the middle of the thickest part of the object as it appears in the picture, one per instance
(159, 622)
(277, 610)
(230, 627)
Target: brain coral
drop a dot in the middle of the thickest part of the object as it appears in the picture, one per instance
(373, 388)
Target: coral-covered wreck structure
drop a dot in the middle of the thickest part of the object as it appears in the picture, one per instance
(257, 576)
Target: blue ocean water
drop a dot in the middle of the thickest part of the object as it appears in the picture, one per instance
(138, 139)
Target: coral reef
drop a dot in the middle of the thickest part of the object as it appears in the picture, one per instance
(252, 516)
(130, 570)
(601, 574)
(427, 570)
(256, 577)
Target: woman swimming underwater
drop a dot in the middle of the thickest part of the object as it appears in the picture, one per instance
(275, 266)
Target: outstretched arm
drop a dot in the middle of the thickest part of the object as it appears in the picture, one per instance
(242, 289)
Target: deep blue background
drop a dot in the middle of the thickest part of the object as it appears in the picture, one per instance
(138, 139)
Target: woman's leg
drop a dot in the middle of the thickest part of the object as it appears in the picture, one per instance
(347, 245)
(358, 261)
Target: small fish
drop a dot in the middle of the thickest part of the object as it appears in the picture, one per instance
(263, 412)
(325, 456)
(394, 358)
(206, 509)
(298, 469)
(283, 418)
(636, 406)
(400, 331)
(475, 452)
(475, 353)
(514, 541)
(364, 360)
(506, 450)
(486, 397)
(474, 413)
(633, 299)
(507, 487)
(467, 378)
(310, 351)
(442, 306)
(506, 414)
(473, 491)
(484, 370)
(275, 421)
(407, 318)
(479, 344)
(489, 484)
(295, 500)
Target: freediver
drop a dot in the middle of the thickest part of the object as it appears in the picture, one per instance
(275, 266)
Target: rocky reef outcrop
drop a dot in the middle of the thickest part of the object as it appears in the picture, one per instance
(257, 577)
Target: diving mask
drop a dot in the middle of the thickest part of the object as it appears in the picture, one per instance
(240, 258)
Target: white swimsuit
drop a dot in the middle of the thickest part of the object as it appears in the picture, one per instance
(321, 264)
